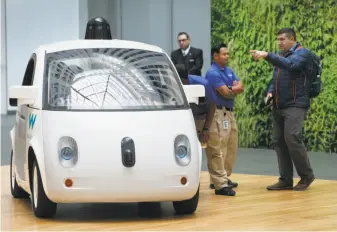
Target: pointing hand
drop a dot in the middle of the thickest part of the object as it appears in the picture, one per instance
(258, 54)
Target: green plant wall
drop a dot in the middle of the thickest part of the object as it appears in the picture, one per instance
(253, 24)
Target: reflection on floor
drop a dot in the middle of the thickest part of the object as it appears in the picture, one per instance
(253, 208)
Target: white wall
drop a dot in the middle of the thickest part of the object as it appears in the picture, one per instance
(3, 62)
(159, 21)
(82, 17)
(34, 22)
(147, 21)
(194, 17)
(108, 9)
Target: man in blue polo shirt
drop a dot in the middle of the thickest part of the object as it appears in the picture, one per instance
(200, 111)
(221, 129)
(210, 96)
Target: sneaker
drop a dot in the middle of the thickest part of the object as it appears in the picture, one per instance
(230, 184)
(227, 191)
(303, 184)
(233, 184)
(280, 186)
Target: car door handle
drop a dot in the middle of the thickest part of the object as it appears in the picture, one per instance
(128, 152)
(22, 117)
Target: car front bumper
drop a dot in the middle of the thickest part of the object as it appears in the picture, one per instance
(146, 187)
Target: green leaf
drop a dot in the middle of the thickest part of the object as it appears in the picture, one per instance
(253, 24)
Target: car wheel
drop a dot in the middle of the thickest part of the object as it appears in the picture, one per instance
(187, 206)
(42, 206)
(17, 191)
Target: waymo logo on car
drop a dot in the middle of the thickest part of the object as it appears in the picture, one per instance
(32, 118)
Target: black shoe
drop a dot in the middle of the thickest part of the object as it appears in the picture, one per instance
(230, 184)
(233, 184)
(227, 191)
(303, 184)
(280, 186)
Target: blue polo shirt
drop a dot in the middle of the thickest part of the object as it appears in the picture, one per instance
(210, 95)
(217, 77)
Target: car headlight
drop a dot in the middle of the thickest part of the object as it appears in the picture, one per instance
(182, 150)
(67, 151)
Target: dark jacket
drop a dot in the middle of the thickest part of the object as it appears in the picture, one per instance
(193, 61)
(289, 85)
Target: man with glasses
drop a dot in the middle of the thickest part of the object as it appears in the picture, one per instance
(190, 57)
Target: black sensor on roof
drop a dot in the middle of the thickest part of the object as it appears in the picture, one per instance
(98, 28)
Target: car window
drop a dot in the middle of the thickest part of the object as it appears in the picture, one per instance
(111, 79)
(29, 73)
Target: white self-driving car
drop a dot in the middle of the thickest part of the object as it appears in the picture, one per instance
(104, 121)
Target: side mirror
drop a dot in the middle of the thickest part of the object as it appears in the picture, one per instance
(193, 92)
(22, 95)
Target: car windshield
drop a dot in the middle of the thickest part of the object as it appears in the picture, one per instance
(111, 79)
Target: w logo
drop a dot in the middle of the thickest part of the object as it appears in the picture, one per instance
(32, 118)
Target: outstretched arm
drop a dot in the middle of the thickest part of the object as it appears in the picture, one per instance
(296, 62)
(293, 63)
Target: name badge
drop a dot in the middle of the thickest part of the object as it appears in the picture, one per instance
(225, 124)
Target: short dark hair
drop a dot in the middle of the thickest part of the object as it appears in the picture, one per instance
(288, 31)
(216, 49)
(183, 33)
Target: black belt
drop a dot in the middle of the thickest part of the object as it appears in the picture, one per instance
(221, 107)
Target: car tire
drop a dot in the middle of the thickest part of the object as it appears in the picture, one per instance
(187, 206)
(42, 206)
(16, 190)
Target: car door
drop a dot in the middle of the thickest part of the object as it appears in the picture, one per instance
(23, 122)
(20, 141)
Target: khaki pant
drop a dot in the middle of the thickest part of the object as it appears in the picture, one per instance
(222, 146)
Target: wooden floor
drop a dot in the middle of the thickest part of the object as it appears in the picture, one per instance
(253, 208)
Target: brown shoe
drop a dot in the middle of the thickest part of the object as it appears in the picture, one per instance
(280, 186)
(303, 184)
